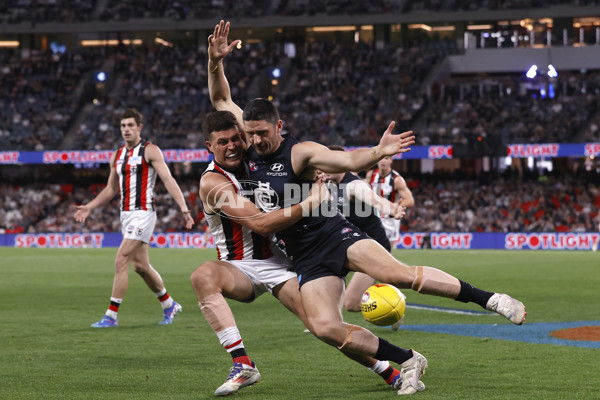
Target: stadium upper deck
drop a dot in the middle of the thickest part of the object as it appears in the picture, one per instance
(338, 84)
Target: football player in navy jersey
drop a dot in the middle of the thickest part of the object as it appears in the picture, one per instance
(325, 248)
(133, 170)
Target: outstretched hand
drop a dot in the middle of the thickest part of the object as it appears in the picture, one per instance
(398, 211)
(394, 144)
(82, 213)
(217, 42)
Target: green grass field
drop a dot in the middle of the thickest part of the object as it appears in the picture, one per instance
(49, 298)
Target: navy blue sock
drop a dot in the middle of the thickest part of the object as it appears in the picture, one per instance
(469, 293)
(388, 351)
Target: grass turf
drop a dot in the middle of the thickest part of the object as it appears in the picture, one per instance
(51, 296)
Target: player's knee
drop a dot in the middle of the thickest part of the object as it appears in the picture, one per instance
(351, 305)
(326, 331)
(121, 263)
(204, 275)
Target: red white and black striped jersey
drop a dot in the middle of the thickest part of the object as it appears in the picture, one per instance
(233, 240)
(384, 185)
(136, 178)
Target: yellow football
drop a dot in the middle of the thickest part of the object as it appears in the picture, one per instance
(383, 304)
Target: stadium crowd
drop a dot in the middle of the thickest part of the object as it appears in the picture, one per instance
(71, 11)
(38, 91)
(348, 94)
(326, 93)
(469, 5)
(50, 207)
(169, 86)
(547, 203)
(448, 203)
(42, 11)
(507, 109)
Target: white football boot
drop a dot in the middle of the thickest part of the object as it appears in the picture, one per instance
(412, 370)
(508, 307)
(240, 375)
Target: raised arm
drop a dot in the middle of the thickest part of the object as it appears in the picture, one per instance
(218, 86)
(219, 196)
(106, 195)
(311, 155)
(155, 158)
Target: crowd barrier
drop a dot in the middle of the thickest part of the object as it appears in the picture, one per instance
(417, 240)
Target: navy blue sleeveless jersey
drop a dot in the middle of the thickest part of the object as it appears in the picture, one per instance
(366, 220)
(316, 244)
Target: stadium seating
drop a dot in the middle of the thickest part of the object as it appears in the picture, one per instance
(39, 91)
(331, 93)
(447, 203)
(502, 108)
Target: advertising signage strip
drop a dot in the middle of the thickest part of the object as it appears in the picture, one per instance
(93, 156)
(547, 150)
(412, 240)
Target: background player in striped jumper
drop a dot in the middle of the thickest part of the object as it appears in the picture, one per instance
(133, 170)
(389, 184)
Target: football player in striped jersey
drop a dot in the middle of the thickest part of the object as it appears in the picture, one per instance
(133, 170)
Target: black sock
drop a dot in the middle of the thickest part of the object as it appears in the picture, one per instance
(239, 353)
(388, 351)
(469, 293)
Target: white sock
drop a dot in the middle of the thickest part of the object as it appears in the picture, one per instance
(230, 339)
(113, 313)
(165, 303)
(379, 367)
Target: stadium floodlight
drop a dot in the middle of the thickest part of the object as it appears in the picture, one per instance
(552, 71)
(532, 72)
(101, 76)
(276, 73)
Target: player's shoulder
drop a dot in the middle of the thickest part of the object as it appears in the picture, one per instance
(151, 146)
(213, 179)
(152, 152)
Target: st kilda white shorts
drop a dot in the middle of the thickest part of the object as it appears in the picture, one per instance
(265, 274)
(138, 225)
(392, 228)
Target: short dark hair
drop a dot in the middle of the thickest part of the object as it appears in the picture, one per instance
(218, 121)
(259, 110)
(336, 147)
(133, 113)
